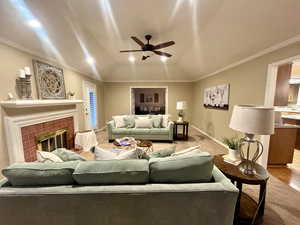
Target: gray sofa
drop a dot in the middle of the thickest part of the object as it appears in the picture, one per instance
(210, 203)
(158, 134)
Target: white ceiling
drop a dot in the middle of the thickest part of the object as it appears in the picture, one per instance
(209, 34)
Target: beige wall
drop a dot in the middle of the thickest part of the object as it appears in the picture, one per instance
(11, 60)
(117, 97)
(247, 86)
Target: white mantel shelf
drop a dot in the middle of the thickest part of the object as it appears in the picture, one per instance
(37, 103)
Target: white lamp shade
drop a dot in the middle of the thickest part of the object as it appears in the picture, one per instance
(181, 105)
(249, 119)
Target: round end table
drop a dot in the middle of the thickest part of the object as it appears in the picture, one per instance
(247, 209)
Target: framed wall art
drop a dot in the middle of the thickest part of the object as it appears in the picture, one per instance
(49, 80)
(217, 97)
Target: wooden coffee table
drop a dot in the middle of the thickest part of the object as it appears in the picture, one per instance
(145, 144)
(247, 209)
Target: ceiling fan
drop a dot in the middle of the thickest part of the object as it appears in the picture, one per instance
(150, 47)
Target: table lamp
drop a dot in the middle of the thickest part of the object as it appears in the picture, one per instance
(180, 106)
(251, 120)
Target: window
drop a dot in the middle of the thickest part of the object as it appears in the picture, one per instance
(90, 102)
(93, 109)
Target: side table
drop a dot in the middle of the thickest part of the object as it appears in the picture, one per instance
(185, 130)
(247, 209)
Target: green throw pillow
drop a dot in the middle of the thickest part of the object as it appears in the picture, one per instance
(67, 155)
(162, 152)
(181, 169)
(40, 174)
(156, 121)
(127, 171)
(129, 121)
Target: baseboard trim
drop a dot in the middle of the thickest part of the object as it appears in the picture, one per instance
(207, 135)
(100, 129)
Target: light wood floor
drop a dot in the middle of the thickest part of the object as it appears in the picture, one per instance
(289, 174)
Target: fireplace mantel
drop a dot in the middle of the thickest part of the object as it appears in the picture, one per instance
(37, 103)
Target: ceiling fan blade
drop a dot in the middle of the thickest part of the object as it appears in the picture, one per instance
(162, 53)
(131, 51)
(164, 45)
(138, 41)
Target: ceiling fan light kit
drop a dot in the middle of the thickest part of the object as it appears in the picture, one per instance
(151, 48)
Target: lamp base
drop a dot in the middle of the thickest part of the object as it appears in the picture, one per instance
(247, 167)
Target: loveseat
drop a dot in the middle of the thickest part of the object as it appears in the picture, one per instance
(159, 134)
(210, 203)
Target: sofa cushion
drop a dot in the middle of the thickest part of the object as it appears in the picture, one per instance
(181, 169)
(185, 151)
(143, 123)
(164, 131)
(156, 121)
(165, 121)
(133, 171)
(40, 174)
(104, 154)
(163, 152)
(47, 157)
(122, 130)
(141, 131)
(67, 155)
(130, 154)
(119, 121)
(130, 121)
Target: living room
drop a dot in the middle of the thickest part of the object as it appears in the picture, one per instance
(135, 88)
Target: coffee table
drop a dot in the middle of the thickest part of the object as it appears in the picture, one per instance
(247, 209)
(145, 144)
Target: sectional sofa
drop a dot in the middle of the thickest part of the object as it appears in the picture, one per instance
(113, 201)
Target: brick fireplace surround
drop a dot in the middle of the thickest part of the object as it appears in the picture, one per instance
(30, 132)
(22, 128)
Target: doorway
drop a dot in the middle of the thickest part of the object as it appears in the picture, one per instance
(148, 100)
(282, 153)
(90, 105)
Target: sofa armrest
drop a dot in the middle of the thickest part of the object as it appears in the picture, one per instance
(171, 130)
(110, 125)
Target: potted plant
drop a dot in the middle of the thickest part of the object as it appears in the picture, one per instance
(234, 145)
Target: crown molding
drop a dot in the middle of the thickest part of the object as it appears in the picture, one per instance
(259, 54)
(148, 81)
(47, 58)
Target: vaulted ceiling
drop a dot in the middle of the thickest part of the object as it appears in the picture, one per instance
(209, 34)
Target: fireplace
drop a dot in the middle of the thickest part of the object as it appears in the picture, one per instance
(50, 141)
(27, 133)
(47, 136)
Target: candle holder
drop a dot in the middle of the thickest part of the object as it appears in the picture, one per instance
(23, 87)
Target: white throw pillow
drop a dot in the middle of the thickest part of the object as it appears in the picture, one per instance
(102, 154)
(131, 154)
(43, 156)
(187, 150)
(143, 123)
(119, 121)
(165, 121)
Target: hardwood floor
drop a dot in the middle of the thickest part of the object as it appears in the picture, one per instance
(289, 174)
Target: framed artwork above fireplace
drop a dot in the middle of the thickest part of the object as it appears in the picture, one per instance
(148, 100)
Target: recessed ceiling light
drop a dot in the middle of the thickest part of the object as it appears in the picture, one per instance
(90, 60)
(34, 23)
(131, 59)
(163, 58)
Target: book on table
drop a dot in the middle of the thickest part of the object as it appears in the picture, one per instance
(234, 161)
